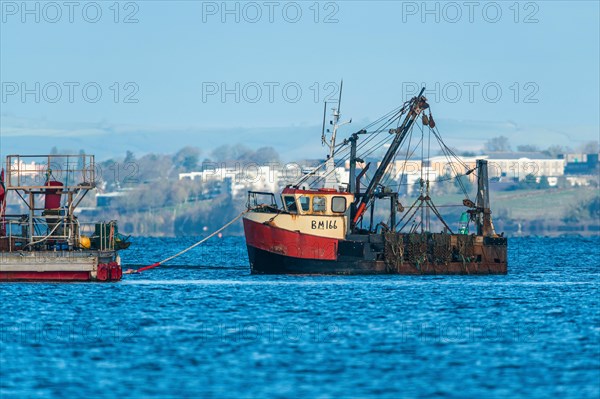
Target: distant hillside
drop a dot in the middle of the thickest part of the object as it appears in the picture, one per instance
(106, 140)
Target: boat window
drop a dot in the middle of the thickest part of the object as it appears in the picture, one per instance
(305, 203)
(290, 203)
(338, 204)
(319, 204)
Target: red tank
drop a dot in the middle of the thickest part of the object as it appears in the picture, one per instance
(52, 200)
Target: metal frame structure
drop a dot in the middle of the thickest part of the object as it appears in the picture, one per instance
(28, 176)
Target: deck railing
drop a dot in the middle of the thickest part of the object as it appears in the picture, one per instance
(32, 171)
(55, 233)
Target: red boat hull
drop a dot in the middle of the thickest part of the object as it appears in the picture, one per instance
(45, 276)
(290, 243)
(103, 272)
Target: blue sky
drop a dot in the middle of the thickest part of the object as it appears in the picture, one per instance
(542, 56)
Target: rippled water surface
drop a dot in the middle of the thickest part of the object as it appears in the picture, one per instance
(206, 327)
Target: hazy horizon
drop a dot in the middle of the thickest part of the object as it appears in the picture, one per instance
(152, 76)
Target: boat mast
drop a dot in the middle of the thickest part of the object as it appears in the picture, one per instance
(331, 180)
(416, 106)
(485, 226)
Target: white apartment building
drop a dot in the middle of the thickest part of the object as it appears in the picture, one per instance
(253, 177)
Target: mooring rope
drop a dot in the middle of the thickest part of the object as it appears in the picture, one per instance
(152, 266)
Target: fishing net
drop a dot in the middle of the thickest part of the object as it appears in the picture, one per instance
(466, 247)
(426, 252)
(393, 251)
(441, 248)
(416, 249)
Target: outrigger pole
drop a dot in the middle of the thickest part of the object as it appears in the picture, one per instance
(417, 105)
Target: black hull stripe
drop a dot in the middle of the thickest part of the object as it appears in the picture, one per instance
(264, 262)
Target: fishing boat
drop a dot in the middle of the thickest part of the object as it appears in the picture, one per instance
(49, 242)
(320, 225)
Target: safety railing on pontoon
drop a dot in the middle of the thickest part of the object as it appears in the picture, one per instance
(56, 233)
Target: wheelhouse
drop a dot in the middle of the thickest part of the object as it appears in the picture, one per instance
(324, 202)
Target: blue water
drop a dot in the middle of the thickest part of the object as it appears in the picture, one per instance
(205, 327)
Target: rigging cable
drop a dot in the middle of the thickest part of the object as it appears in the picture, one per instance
(457, 175)
(152, 266)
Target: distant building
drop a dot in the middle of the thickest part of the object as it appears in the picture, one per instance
(503, 167)
(580, 164)
(237, 180)
(519, 165)
(106, 200)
